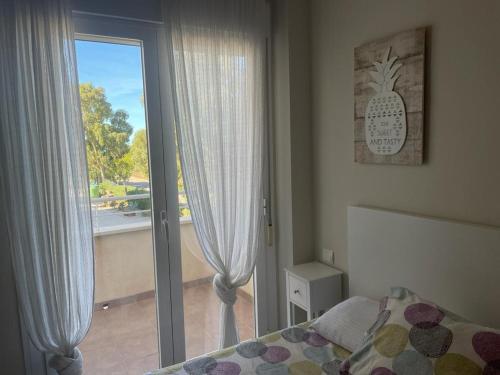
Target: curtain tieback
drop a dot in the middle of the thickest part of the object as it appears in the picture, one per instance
(226, 294)
(68, 365)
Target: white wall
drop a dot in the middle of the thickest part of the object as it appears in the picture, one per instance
(460, 178)
(124, 263)
(292, 133)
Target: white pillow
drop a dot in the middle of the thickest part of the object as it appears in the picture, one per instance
(345, 324)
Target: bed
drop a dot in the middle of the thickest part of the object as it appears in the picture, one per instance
(453, 263)
(295, 350)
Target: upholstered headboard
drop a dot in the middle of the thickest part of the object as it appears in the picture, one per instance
(456, 265)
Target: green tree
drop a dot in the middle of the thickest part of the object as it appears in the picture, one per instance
(123, 168)
(139, 153)
(184, 211)
(107, 134)
(180, 180)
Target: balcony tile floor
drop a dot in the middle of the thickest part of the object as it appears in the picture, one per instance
(122, 339)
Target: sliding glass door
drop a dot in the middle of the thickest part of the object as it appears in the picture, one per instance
(154, 301)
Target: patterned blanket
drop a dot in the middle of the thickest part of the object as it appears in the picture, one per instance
(296, 350)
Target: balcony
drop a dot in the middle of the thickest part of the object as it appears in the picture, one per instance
(123, 335)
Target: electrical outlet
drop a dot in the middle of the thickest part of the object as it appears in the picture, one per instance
(328, 257)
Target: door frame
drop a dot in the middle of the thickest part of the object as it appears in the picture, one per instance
(266, 280)
(171, 326)
(165, 220)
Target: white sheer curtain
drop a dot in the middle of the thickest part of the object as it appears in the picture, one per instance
(218, 73)
(44, 178)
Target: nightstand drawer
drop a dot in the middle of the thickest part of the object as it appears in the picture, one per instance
(298, 291)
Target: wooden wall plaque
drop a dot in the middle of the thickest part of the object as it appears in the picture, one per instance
(386, 131)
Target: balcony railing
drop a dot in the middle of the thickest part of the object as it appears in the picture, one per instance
(116, 214)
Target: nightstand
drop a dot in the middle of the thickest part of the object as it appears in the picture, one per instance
(314, 287)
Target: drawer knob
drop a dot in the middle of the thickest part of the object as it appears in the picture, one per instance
(296, 291)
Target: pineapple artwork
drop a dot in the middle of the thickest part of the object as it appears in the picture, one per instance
(385, 117)
(389, 93)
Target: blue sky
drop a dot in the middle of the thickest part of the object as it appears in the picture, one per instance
(118, 69)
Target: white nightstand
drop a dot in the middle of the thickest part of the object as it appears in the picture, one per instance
(314, 287)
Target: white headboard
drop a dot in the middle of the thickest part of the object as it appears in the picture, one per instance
(455, 265)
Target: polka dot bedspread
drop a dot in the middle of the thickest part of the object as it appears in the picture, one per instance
(296, 350)
(413, 336)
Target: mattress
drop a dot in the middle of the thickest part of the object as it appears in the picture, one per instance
(295, 350)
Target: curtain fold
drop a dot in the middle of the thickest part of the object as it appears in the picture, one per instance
(44, 179)
(217, 66)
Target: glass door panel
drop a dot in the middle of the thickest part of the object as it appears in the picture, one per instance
(123, 337)
(201, 304)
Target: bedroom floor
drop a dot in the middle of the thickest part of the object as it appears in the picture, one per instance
(122, 339)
